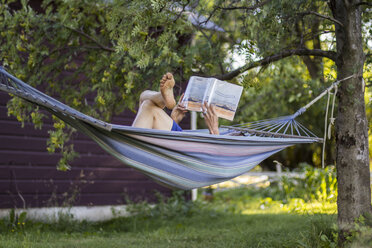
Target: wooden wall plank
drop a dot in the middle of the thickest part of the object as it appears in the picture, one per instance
(20, 172)
(51, 200)
(68, 185)
(8, 157)
(25, 143)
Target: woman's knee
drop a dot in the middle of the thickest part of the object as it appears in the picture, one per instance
(144, 96)
(147, 104)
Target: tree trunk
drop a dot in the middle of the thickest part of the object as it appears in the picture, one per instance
(352, 155)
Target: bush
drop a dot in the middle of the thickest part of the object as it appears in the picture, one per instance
(175, 206)
(317, 184)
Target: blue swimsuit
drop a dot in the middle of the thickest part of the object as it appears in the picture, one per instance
(176, 127)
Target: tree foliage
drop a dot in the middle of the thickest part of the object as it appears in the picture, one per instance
(99, 55)
(270, 31)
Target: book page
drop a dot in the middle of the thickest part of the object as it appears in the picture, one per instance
(225, 97)
(197, 91)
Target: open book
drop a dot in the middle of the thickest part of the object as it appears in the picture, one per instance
(225, 96)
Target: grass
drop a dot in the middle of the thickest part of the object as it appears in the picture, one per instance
(221, 230)
(234, 218)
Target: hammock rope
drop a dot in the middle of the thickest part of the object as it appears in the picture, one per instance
(331, 120)
(183, 160)
(287, 126)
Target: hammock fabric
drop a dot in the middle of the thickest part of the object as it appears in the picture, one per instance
(184, 160)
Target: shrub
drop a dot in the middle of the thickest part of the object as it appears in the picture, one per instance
(317, 184)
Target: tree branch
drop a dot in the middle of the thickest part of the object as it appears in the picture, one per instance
(244, 7)
(283, 54)
(310, 36)
(109, 49)
(181, 12)
(236, 7)
(321, 16)
(363, 3)
(211, 14)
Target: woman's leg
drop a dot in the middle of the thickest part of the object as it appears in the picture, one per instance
(150, 113)
(153, 96)
(165, 97)
(152, 116)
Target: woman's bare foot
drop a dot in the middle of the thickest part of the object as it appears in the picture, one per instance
(166, 89)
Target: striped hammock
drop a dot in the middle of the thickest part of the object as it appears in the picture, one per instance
(183, 160)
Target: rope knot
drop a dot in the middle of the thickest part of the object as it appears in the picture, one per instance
(299, 112)
(332, 121)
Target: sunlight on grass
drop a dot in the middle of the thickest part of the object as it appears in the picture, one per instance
(247, 201)
(295, 206)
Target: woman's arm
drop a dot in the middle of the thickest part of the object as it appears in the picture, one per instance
(179, 111)
(210, 118)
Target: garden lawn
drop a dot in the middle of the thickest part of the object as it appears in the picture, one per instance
(232, 219)
(204, 230)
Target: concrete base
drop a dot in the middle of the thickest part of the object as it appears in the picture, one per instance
(97, 213)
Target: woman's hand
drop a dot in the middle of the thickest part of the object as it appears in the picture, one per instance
(210, 118)
(179, 111)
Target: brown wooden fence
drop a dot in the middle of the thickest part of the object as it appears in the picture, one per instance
(28, 175)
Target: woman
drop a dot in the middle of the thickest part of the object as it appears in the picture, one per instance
(151, 114)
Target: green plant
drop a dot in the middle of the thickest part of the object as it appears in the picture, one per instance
(172, 207)
(17, 221)
(317, 184)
